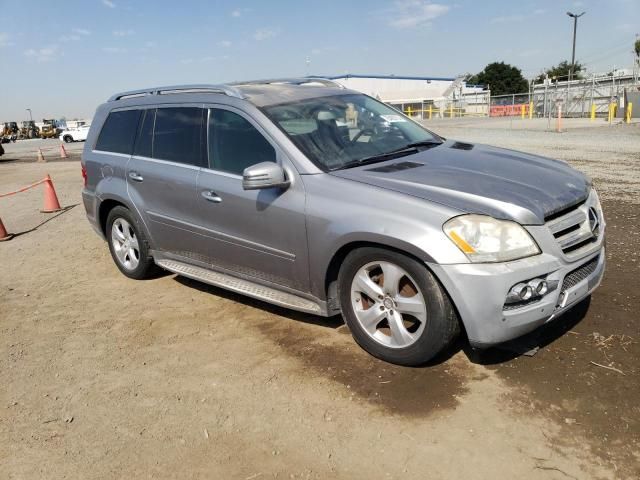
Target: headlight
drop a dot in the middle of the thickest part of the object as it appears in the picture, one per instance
(486, 239)
(596, 198)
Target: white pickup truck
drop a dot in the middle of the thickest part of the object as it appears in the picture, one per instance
(75, 134)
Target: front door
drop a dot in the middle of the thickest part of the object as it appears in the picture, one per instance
(162, 176)
(254, 233)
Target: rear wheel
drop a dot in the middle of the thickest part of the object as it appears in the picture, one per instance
(128, 245)
(68, 139)
(395, 308)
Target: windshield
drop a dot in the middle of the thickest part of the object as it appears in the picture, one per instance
(343, 130)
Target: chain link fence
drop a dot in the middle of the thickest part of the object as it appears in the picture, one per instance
(595, 96)
(579, 98)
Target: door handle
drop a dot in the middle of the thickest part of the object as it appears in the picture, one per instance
(135, 176)
(211, 196)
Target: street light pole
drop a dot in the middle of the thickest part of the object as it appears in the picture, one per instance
(573, 52)
(30, 116)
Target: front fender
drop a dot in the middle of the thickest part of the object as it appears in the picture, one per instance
(341, 212)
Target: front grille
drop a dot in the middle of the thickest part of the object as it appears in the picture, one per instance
(572, 229)
(576, 276)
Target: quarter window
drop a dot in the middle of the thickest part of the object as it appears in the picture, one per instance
(118, 132)
(177, 135)
(235, 144)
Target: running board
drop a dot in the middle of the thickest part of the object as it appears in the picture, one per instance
(238, 285)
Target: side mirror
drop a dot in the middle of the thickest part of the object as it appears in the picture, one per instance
(264, 175)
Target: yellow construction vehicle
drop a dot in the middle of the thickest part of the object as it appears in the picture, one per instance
(50, 129)
(28, 130)
(9, 132)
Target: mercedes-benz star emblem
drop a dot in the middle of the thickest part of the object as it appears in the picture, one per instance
(594, 222)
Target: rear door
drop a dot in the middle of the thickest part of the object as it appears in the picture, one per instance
(162, 174)
(255, 233)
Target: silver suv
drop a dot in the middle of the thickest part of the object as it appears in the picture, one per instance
(313, 197)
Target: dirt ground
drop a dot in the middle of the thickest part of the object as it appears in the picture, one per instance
(106, 377)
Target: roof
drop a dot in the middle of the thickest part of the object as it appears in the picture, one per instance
(264, 95)
(259, 92)
(386, 77)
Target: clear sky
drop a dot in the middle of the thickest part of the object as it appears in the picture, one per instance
(64, 58)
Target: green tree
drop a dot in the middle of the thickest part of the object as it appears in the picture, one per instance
(636, 47)
(501, 78)
(561, 71)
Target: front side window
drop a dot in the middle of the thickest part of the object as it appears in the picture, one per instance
(177, 135)
(345, 130)
(118, 132)
(235, 144)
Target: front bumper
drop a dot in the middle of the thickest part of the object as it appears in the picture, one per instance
(479, 291)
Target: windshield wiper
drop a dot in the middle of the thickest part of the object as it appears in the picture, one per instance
(400, 152)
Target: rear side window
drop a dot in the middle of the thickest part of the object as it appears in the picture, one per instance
(119, 132)
(144, 142)
(177, 135)
(235, 144)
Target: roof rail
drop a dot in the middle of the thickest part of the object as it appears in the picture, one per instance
(292, 81)
(198, 88)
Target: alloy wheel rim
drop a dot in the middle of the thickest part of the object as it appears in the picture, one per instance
(388, 304)
(125, 244)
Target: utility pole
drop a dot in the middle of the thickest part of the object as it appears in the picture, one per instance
(573, 52)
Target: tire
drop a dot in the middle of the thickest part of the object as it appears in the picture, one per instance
(410, 323)
(129, 248)
(68, 139)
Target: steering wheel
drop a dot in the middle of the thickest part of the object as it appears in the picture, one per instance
(370, 131)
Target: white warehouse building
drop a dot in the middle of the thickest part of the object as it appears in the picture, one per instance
(415, 95)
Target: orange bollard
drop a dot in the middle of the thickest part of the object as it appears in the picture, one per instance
(3, 233)
(63, 151)
(51, 203)
(40, 156)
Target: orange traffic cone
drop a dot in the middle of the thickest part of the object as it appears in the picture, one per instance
(63, 151)
(3, 233)
(40, 156)
(51, 203)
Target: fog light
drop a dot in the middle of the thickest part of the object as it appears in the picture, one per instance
(519, 293)
(532, 290)
(539, 286)
(526, 292)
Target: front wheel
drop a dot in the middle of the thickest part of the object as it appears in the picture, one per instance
(395, 308)
(68, 139)
(128, 245)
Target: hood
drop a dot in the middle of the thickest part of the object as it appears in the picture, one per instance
(480, 179)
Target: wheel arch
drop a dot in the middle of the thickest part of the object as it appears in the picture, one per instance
(333, 266)
(333, 269)
(106, 205)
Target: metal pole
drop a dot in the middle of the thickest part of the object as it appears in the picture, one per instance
(593, 88)
(30, 116)
(584, 94)
(573, 52)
